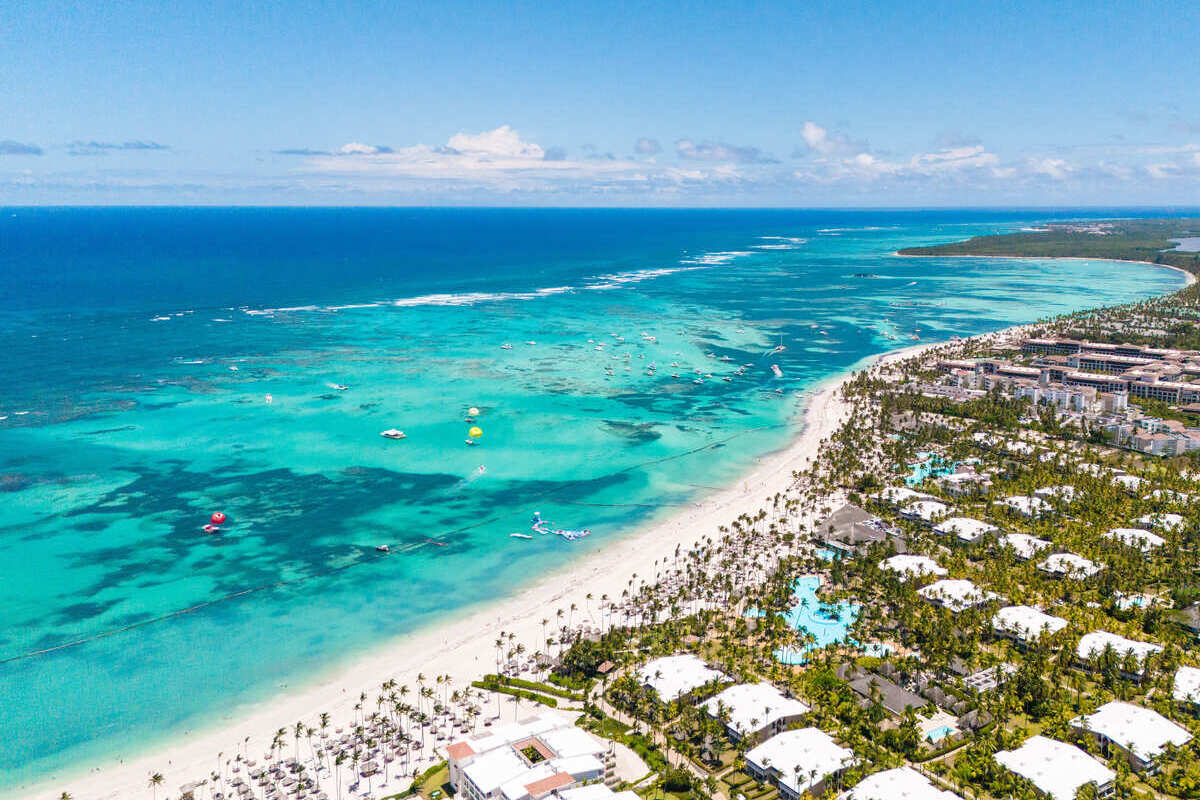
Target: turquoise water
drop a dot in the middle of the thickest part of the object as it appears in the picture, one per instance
(826, 554)
(937, 734)
(828, 623)
(141, 347)
(932, 466)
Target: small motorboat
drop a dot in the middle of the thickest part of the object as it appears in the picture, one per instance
(471, 442)
(382, 548)
(210, 528)
(520, 536)
(506, 346)
(392, 433)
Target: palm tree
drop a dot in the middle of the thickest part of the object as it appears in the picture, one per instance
(156, 780)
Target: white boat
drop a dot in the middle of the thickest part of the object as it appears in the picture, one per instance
(778, 372)
(520, 536)
(392, 433)
(506, 346)
(383, 548)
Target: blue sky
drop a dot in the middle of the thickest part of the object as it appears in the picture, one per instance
(607, 103)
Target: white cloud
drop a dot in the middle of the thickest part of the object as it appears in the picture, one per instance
(360, 149)
(820, 141)
(1055, 168)
(503, 141)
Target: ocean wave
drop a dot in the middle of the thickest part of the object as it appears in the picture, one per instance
(615, 280)
(474, 298)
(712, 259)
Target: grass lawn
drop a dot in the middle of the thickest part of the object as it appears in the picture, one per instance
(435, 784)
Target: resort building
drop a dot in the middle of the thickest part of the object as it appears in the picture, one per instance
(1139, 734)
(1057, 769)
(1023, 545)
(799, 761)
(925, 511)
(955, 595)
(910, 566)
(964, 529)
(1186, 687)
(1051, 494)
(754, 711)
(1069, 565)
(902, 783)
(1094, 644)
(892, 696)
(1028, 507)
(900, 496)
(675, 677)
(1135, 537)
(1166, 522)
(1025, 624)
(527, 760)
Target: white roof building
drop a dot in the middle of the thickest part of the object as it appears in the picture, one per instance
(965, 528)
(1096, 642)
(1186, 688)
(1130, 482)
(1019, 447)
(901, 495)
(800, 759)
(902, 783)
(1141, 732)
(956, 595)
(1024, 546)
(1026, 623)
(673, 677)
(1063, 494)
(1135, 537)
(494, 766)
(1167, 522)
(755, 707)
(910, 566)
(1055, 768)
(925, 511)
(1069, 565)
(1026, 506)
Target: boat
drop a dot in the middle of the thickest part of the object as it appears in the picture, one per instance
(392, 433)
(506, 346)
(778, 372)
(210, 528)
(472, 442)
(520, 536)
(383, 548)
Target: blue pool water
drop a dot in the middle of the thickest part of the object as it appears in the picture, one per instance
(937, 734)
(828, 623)
(826, 554)
(162, 364)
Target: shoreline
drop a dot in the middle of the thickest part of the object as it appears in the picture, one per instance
(461, 645)
(1188, 276)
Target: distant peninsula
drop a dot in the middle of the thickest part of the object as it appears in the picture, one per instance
(1172, 242)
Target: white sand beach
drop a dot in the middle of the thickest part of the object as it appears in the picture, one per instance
(463, 649)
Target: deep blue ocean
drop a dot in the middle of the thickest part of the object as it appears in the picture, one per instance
(163, 364)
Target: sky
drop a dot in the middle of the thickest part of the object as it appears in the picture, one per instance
(797, 104)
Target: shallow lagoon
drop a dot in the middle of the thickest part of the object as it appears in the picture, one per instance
(147, 343)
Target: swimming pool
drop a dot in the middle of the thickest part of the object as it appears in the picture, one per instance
(827, 554)
(937, 734)
(828, 623)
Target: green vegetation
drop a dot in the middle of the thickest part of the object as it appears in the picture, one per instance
(511, 691)
(1122, 240)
